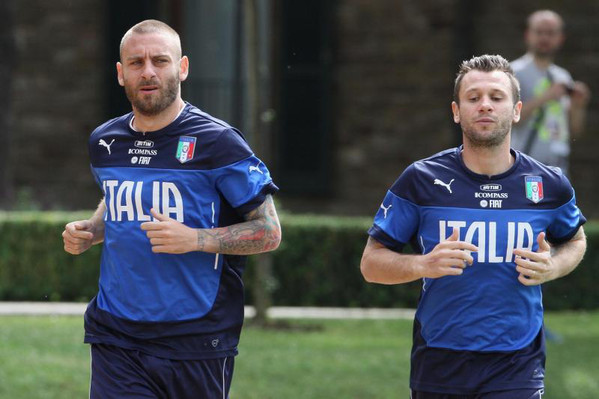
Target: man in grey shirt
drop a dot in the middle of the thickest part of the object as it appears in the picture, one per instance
(554, 105)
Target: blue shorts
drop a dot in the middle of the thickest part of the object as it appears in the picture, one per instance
(468, 372)
(511, 394)
(118, 373)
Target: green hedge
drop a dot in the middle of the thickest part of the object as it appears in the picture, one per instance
(316, 265)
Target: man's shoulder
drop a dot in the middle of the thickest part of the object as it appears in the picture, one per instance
(200, 121)
(441, 160)
(121, 122)
(560, 74)
(551, 177)
(532, 165)
(220, 143)
(522, 63)
(434, 166)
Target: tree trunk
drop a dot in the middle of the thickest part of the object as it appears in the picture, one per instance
(262, 275)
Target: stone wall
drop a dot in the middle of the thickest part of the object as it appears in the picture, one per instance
(393, 77)
(56, 101)
(395, 65)
(7, 49)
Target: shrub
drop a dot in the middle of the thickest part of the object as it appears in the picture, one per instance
(316, 265)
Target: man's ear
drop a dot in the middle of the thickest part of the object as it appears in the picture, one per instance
(119, 74)
(455, 109)
(183, 68)
(517, 112)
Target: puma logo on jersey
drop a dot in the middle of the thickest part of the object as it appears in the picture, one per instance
(385, 209)
(256, 168)
(103, 144)
(446, 185)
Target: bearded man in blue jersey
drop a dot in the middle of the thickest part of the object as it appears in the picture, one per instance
(489, 225)
(185, 200)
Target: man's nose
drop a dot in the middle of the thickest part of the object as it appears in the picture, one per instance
(486, 104)
(148, 71)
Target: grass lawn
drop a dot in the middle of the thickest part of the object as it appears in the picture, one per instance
(43, 357)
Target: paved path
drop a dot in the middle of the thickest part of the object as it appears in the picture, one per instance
(77, 309)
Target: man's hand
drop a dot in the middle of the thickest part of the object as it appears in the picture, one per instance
(169, 236)
(448, 258)
(78, 236)
(554, 92)
(535, 267)
(580, 94)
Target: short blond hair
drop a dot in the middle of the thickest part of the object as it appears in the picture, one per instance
(151, 26)
(486, 63)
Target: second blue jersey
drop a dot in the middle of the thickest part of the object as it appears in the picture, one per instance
(486, 308)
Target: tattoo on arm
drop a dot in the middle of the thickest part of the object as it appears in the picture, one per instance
(260, 232)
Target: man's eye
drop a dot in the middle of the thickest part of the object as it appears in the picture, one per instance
(473, 99)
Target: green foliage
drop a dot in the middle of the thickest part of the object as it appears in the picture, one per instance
(316, 265)
(33, 264)
(579, 289)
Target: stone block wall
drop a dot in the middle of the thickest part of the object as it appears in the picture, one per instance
(393, 77)
(395, 65)
(57, 99)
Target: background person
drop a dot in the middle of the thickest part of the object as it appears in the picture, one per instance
(554, 105)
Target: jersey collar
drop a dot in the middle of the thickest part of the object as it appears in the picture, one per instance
(515, 154)
(169, 129)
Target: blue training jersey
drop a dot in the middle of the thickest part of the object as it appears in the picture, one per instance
(486, 309)
(199, 171)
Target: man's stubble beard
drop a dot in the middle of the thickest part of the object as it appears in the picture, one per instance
(548, 55)
(165, 98)
(490, 139)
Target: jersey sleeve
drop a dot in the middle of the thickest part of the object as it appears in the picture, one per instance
(245, 183)
(397, 218)
(568, 219)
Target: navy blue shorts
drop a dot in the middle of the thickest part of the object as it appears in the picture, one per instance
(512, 394)
(118, 373)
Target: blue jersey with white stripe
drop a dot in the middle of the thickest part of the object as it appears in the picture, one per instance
(199, 171)
(486, 309)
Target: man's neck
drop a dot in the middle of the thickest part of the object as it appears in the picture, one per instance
(145, 123)
(542, 62)
(488, 161)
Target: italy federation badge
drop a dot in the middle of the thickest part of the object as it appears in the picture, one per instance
(534, 188)
(185, 149)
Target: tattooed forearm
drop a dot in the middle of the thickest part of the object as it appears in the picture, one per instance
(260, 232)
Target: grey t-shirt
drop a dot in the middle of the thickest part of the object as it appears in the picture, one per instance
(552, 142)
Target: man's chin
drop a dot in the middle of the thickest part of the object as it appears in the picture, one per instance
(149, 108)
(485, 138)
(545, 54)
